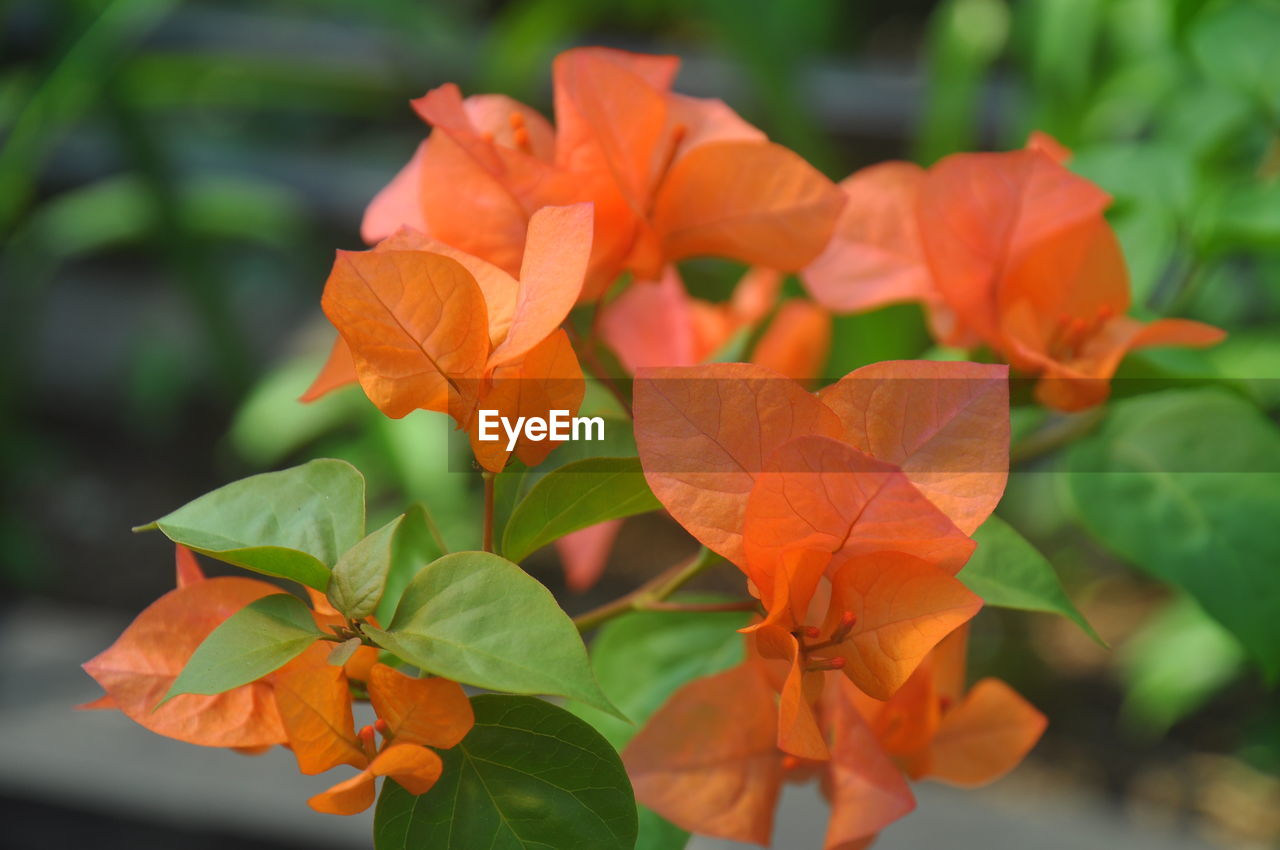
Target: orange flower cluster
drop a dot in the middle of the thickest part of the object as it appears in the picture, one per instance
(306, 705)
(670, 176)
(849, 513)
(1010, 250)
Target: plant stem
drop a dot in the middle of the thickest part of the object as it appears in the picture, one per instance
(487, 542)
(653, 592)
(1055, 435)
(711, 607)
(587, 349)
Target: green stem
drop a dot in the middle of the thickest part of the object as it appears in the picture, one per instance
(488, 510)
(653, 592)
(1055, 435)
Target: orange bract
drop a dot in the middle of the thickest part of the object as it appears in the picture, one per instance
(427, 326)
(1010, 250)
(139, 668)
(669, 176)
(434, 712)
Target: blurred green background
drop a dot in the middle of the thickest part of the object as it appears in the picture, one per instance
(175, 176)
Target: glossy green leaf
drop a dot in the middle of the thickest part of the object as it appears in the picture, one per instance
(258, 639)
(417, 543)
(528, 776)
(576, 496)
(642, 658)
(360, 576)
(1008, 572)
(1186, 485)
(479, 619)
(1174, 663)
(294, 524)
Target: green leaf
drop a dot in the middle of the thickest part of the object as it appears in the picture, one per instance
(1174, 664)
(293, 524)
(1186, 485)
(528, 776)
(640, 659)
(1235, 45)
(658, 833)
(417, 543)
(360, 575)
(1007, 571)
(479, 619)
(576, 496)
(258, 639)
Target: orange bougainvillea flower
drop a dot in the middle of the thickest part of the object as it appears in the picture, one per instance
(860, 551)
(139, 668)
(425, 326)
(660, 324)
(709, 762)
(936, 729)
(413, 714)
(1010, 250)
(670, 176)
(713, 759)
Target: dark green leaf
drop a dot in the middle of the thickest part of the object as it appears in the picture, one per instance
(293, 524)
(360, 575)
(1186, 485)
(258, 639)
(1007, 571)
(576, 496)
(479, 619)
(529, 776)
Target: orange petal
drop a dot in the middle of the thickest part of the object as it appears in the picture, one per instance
(611, 115)
(755, 294)
(874, 256)
(704, 433)
(492, 187)
(753, 201)
(349, 797)
(704, 120)
(904, 606)
(338, 371)
(434, 711)
(398, 204)
(551, 275)
(547, 378)
(820, 495)
(797, 342)
(498, 287)
(106, 701)
(651, 324)
(415, 768)
(945, 424)
(584, 553)
(315, 705)
(984, 211)
(867, 792)
(798, 732)
(707, 760)
(415, 322)
(985, 736)
(1048, 145)
(138, 669)
(186, 566)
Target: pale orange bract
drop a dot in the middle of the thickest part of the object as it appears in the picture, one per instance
(1008, 250)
